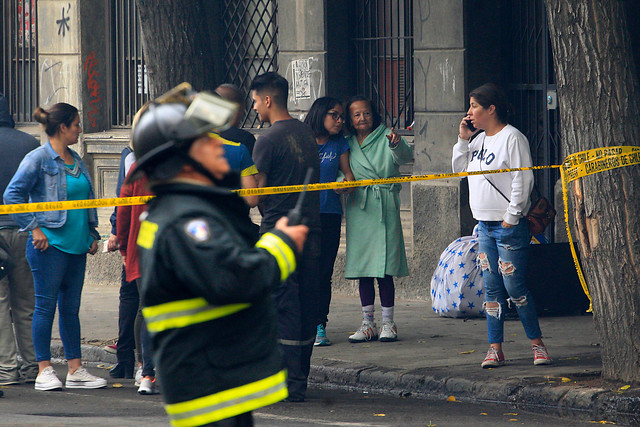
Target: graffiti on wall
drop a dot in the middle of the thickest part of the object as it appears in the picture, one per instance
(26, 23)
(52, 78)
(305, 79)
(63, 23)
(93, 87)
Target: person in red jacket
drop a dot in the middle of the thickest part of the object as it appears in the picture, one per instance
(128, 226)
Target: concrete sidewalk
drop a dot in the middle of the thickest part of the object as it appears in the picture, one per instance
(435, 357)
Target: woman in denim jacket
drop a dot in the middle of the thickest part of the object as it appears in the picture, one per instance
(58, 242)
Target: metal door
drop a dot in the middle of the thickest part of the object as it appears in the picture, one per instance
(533, 89)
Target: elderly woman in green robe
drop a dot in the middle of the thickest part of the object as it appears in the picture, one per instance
(375, 245)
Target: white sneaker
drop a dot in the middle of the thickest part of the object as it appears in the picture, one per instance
(47, 380)
(367, 332)
(138, 376)
(148, 386)
(389, 331)
(83, 379)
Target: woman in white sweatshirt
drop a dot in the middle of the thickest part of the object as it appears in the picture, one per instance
(499, 202)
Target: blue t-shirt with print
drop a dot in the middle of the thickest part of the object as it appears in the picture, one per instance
(329, 154)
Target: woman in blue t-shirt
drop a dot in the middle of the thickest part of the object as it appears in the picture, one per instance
(59, 241)
(326, 119)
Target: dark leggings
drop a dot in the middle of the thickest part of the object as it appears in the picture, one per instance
(329, 243)
(385, 286)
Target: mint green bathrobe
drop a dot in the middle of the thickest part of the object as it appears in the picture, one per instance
(375, 245)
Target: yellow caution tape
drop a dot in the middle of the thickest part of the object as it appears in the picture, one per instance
(129, 201)
(575, 166)
(565, 198)
(73, 204)
(600, 160)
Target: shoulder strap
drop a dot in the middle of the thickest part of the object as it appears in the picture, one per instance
(484, 176)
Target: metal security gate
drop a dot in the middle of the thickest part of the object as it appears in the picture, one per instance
(250, 47)
(19, 60)
(533, 89)
(384, 46)
(130, 87)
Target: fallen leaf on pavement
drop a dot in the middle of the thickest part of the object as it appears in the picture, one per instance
(624, 387)
(510, 413)
(117, 385)
(566, 380)
(483, 413)
(451, 399)
(467, 352)
(379, 415)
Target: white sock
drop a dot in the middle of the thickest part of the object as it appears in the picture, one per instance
(367, 312)
(387, 314)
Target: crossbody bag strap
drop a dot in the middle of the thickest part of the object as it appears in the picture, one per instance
(484, 176)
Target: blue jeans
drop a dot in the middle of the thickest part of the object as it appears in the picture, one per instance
(503, 256)
(57, 278)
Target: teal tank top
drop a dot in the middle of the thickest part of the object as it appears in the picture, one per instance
(73, 237)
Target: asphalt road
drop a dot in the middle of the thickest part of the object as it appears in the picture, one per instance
(122, 406)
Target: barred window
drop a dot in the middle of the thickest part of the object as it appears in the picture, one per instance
(19, 60)
(250, 47)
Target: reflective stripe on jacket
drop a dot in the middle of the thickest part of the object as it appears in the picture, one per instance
(229, 403)
(207, 280)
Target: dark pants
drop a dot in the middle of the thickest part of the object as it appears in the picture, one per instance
(145, 342)
(127, 311)
(242, 420)
(329, 243)
(385, 287)
(297, 304)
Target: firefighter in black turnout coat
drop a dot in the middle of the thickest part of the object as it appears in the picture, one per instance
(207, 277)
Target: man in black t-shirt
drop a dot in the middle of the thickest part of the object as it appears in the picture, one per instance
(231, 92)
(282, 154)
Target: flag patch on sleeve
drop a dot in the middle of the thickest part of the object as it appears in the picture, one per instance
(198, 230)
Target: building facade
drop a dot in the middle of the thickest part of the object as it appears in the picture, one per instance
(417, 59)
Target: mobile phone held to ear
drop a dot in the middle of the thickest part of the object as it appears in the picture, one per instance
(470, 125)
(295, 215)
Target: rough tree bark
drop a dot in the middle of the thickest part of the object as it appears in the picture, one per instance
(598, 100)
(177, 44)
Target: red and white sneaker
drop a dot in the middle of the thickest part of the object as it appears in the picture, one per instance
(493, 359)
(367, 332)
(113, 348)
(540, 355)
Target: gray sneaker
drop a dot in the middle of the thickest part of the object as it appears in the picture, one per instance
(9, 381)
(47, 380)
(83, 379)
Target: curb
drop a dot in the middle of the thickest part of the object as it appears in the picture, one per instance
(582, 402)
(588, 403)
(90, 353)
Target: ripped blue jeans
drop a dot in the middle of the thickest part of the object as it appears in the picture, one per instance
(503, 255)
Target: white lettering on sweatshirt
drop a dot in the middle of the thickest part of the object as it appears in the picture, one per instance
(507, 149)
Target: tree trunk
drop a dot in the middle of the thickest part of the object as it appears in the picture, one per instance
(598, 100)
(177, 44)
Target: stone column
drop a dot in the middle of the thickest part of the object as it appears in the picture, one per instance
(302, 51)
(72, 40)
(439, 99)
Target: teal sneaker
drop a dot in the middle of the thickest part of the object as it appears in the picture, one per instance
(321, 337)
